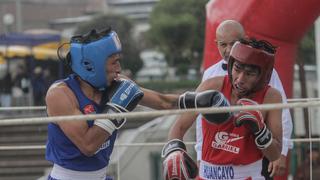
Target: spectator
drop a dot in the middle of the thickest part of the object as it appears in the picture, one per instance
(48, 78)
(39, 87)
(21, 86)
(303, 171)
(21, 79)
(5, 90)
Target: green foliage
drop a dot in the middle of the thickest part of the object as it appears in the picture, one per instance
(306, 51)
(177, 29)
(182, 26)
(131, 59)
(182, 69)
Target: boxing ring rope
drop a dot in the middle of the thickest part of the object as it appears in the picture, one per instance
(23, 108)
(41, 108)
(302, 100)
(149, 144)
(292, 103)
(154, 114)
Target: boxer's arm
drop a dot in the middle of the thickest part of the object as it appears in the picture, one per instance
(266, 129)
(273, 123)
(184, 122)
(61, 101)
(158, 100)
(287, 144)
(124, 97)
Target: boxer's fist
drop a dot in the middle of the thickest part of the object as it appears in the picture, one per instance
(209, 98)
(177, 164)
(124, 97)
(253, 119)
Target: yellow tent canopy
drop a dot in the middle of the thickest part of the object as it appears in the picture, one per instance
(41, 46)
(41, 52)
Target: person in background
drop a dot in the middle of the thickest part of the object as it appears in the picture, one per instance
(38, 86)
(6, 90)
(21, 86)
(303, 171)
(48, 78)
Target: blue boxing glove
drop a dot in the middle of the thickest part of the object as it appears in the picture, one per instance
(124, 97)
(209, 98)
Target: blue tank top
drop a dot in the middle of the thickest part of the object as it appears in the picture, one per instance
(60, 150)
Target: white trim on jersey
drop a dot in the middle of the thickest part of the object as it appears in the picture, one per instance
(275, 82)
(59, 172)
(210, 171)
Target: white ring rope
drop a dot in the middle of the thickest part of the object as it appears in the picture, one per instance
(149, 144)
(302, 100)
(22, 108)
(27, 108)
(153, 114)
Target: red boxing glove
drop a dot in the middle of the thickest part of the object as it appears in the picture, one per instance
(254, 120)
(177, 164)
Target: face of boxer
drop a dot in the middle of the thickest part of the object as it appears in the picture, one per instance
(245, 78)
(113, 67)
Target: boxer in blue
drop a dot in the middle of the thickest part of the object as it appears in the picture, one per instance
(81, 150)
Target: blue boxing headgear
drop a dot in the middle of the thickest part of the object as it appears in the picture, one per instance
(89, 55)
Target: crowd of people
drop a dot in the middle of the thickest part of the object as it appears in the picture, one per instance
(20, 88)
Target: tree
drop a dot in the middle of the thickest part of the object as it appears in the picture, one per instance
(177, 29)
(307, 50)
(131, 59)
(306, 55)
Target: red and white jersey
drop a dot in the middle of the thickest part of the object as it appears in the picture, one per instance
(225, 144)
(275, 82)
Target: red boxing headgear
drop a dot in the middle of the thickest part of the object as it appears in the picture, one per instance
(246, 54)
